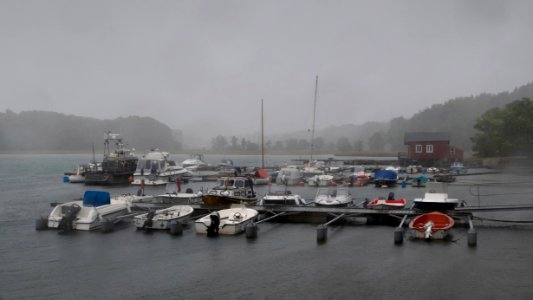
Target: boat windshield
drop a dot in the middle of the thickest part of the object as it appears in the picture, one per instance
(151, 164)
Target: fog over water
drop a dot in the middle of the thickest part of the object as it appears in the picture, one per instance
(206, 65)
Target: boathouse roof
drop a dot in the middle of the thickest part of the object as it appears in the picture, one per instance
(410, 137)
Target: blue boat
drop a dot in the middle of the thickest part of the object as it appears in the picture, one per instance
(385, 178)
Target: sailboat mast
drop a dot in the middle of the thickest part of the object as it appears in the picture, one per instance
(262, 138)
(314, 116)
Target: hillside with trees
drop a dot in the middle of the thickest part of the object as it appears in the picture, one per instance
(50, 131)
(457, 116)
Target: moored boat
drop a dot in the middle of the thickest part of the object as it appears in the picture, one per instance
(227, 221)
(89, 214)
(156, 168)
(161, 218)
(290, 175)
(333, 197)
(389, 203)
(385, 178)
(118, 165)
(433, 225)
(231, 190)
(282, 198)
(435, 198)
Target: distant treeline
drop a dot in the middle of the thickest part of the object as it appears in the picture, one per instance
(457, 116)
(50, 131)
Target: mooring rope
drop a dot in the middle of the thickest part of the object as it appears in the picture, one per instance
(503, 221)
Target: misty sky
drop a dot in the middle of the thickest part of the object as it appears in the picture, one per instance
(207, 64)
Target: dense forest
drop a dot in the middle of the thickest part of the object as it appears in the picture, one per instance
(50, 131)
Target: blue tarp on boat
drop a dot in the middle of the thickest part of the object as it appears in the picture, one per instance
(385, 175)
(96, 198)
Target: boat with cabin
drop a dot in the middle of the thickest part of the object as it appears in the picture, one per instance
(434, 225)
(321, 180)
(289, 175)
(156, 168)
(282, 198)
(436, 198)
(117, 166)
(226, 221)
(231, 190)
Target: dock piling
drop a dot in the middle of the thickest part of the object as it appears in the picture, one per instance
(251, 230)
(472, 234)
(321, 233)
(41, 223)
(176, 228)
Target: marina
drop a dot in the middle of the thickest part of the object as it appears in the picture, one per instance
(338, 240)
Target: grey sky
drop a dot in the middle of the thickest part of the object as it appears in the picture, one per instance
(207, 64)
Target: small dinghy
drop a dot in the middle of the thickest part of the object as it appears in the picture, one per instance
(160, 219)
(227, 221)
(333, 197)
(433, 225)
(389, 203)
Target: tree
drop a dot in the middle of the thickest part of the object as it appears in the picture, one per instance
(343, 144)
(358, 146)
(234, 143)
(291, 144)
(319, 144)
(219, 143)
(303, 144)
(376, 142)
(505, 131)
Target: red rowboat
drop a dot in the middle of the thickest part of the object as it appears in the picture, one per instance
(433, 225)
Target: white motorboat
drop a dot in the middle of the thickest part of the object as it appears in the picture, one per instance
(131, 199)
(320, 180)
(156, 168)
(290, 175)
(436, 198)
(333, 197)
(161, 218)
(78, 176)
(282, 198)
(195, 162)
(313, 168)
(89, 214)
(227, 221)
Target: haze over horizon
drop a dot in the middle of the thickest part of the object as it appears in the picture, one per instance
(205, 66)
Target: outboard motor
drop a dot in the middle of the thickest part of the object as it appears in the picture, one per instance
(148, 222)
(69, 215)
(391, 196)
(212, 230)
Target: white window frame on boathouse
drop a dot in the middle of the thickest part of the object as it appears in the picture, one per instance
(429, 148)
(418, 148)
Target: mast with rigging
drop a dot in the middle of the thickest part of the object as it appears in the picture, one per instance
(314, 116)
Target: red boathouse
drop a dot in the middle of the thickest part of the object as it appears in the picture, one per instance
(431, 148)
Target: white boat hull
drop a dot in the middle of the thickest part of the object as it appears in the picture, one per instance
(89, 218)
(229, 223)
(163, 217)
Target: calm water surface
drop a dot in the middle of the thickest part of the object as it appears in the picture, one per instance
(284, 262)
